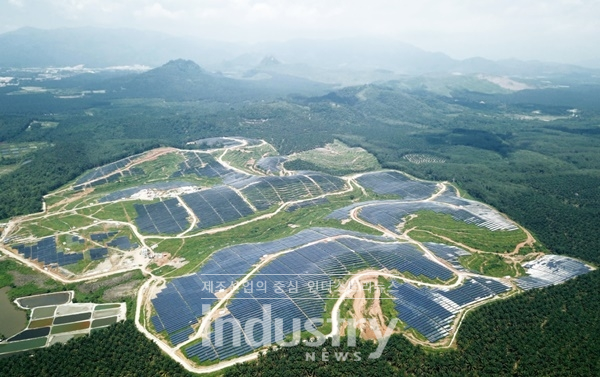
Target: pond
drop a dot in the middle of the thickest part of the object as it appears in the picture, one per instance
(12, 319)
(47, 299)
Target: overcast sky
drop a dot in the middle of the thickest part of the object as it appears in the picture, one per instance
(553, 30)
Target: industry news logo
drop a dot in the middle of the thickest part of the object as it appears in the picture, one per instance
(231, 336)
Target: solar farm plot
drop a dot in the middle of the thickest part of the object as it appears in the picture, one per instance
(122, 243)
(271, 165)
(395, 183)
(296, 284)
(264, 192)
(217, 206)
(102, 171)
(45, 251)
(202, 165)
(217, 142)
(168, 216)
(100, 237)
(550, 270)
(448, 253)
(483, 215)
(223, 269)
(391, 214)
(307, 203)
(432, 311)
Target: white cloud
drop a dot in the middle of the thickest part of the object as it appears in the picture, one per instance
(492, 28)
(17, 3)
(157, 10)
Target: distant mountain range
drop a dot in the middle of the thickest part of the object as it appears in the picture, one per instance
(345, 61)
(185, 80)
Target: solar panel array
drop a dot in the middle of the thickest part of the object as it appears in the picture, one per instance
(217, 206)
(264, 192)
(431, 311)
(108, 179)
(390, 214)
(77, 239)
(201, 164)
(168, 216)
(450, 197)
(179, 304)
(102, 171)
(549, 270)
(474, 290)
(307, 203)
(448, 253)
(484, 215)
(297, 283)
(392, 182)
(216, 142)
(181, 336)
(98, 253)
(45, 251)
(99, 237)
(271, 164)
(122, 243)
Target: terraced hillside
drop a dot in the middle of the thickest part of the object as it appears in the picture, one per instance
(243, 253)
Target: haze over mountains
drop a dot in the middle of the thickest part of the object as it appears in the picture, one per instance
(320, 60)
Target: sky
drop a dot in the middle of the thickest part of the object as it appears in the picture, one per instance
(566, 31)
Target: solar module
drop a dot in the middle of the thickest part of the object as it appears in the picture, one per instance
(217, 206)
(550, 270)
(45, 251)
(98, 253)
(395, 183)
(167, 216)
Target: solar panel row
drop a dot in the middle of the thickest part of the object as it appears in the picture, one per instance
(45, 251)
(264, 192)
(550, 270)
(395, 183)
(295, 285)
(217, 206)
(168, 216)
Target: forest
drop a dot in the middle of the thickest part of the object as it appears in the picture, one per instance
(544, 175)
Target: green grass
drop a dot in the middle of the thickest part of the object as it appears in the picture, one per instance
(388, 308)
(467, 234)
(336, 158)
(35, 230)
(120, 211)
(247, 157)
(488, 264)
(161, 167)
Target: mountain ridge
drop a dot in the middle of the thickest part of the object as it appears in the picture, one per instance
(327, 60)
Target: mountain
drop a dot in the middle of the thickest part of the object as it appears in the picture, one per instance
(185, 80)
(96, 47)
(341, 61)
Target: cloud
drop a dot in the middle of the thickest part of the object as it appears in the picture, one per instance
(492, 28)
(157, 10)
(17, 3)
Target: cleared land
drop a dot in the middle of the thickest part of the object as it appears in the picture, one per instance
(234, 226)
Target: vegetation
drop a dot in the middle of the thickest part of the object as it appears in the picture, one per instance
(544, 175)
(119, 350)
(490, 265)
(444, 226)
(335, 158)
(545, 340)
